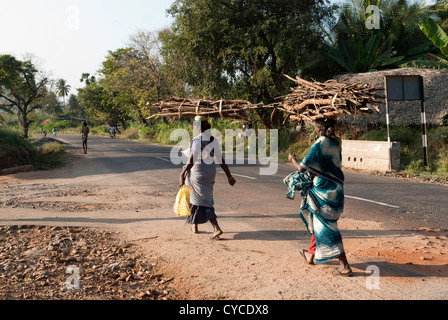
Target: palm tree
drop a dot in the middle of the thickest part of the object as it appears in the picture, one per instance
(440, 40)
(62, 88)
(441, 9)
(356, 48)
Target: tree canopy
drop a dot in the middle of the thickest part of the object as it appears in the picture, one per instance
(241, 49)
(23, 88)
(129, 79)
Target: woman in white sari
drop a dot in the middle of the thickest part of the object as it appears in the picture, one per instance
(200, 173)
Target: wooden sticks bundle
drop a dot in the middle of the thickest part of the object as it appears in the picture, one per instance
(307, 101)
(230, 109)
(314, 100)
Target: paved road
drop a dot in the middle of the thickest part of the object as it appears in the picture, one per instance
(406, 203)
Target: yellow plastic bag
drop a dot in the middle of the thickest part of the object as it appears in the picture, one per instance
(182, 204)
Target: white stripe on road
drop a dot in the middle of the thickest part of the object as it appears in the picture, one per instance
(130, 150)
(367, 200)
(240, 175)
(233, 174)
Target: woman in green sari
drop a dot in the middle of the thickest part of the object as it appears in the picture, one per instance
(321, 181)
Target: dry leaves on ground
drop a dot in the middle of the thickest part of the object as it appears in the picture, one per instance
(43, 263)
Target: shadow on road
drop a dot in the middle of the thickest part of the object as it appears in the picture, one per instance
(405, 270)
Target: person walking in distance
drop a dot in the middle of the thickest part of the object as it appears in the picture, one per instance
(84, 135)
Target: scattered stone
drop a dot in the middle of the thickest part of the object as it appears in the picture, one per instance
(35, 252)
(36, 262)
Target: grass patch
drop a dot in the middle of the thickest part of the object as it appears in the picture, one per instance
(50, 155)
(298, 143)
(17, 151)
(14, 149)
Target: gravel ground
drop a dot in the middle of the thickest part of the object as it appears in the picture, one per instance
(62, 263)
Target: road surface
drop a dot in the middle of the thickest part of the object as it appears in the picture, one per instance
(397, 227)
(415, 204)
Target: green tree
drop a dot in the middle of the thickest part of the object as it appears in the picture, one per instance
(129, 80)
(52, 104)
(22, 87)
(74, 108)
(100, 105)
(87, 78)
(240, 49)
(133, 77)
(63, 88)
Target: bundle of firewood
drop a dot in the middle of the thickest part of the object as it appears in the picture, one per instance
(180, 107)
(307, 101)
(311, 101)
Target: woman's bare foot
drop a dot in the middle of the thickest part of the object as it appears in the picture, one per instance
(195, 229)
(216, 228)
(346, 272)
(216, 235)
(309, 258)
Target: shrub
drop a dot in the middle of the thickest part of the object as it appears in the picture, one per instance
(442, 164)
(415, 167)
(50, 155)
(160, 132)
(411, 153)
(99, 130)
(60, 125)
(15, 151)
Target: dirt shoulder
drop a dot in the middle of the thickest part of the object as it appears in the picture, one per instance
(258, 257)
(72, 263)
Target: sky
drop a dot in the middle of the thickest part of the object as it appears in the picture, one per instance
(68, 38)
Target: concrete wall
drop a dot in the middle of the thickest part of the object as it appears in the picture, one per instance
(370, 155)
